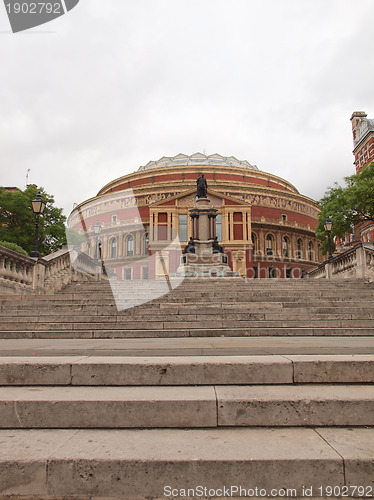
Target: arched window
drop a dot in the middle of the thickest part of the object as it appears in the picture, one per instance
(299, 254)
(113, 248)
(269, 245)
(285, 246)
(254, 241)
(130, 246)
(145, 242)
(311, 251)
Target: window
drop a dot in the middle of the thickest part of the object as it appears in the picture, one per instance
(113, 248)
(285, 246)
(288, 273)
(88, 248)
(145, 243)
(299, 254)
(130, 246)
(145, 273)
(311, 251)
(114, 218)
(162, 226)
(219, 227)
(273, 272)
(254, 241)
(127, 273)
(269, 244)
(182, 230)
(284, 218)
(238, 225)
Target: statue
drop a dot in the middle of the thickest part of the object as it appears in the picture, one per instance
(201, 187)
(190, 247)
(217, 248)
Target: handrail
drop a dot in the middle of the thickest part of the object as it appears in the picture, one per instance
(47, 275)
(356, 262)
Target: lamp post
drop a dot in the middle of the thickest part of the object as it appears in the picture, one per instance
(97, 230)
(38, 206)
(328, 227)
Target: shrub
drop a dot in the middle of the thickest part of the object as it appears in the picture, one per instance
(14, 247)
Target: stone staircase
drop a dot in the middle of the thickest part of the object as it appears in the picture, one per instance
(197, 308)
(93, 427)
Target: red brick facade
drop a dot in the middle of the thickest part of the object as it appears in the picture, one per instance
(363, 143)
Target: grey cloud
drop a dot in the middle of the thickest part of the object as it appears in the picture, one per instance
(121, 83)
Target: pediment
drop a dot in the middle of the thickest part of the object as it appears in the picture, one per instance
(187, 199)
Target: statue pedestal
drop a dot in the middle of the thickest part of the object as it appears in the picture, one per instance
(204, 261)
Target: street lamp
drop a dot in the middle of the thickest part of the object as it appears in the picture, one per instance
(38, 206)
(328, 227)
(97, 230)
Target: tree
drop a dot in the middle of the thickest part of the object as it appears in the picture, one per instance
(17, 220)
(347, 206)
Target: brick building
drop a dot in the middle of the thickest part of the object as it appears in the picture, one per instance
(363, 144)
(265, 225)
(363, 139)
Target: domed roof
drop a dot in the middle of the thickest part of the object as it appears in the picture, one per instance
(198, 159)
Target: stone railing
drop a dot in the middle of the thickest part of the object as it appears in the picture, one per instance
(26, 275)
(317, 272)
(357, 262)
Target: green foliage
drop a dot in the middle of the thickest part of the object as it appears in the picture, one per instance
(17, 220)
(347, 206)
(14, 247)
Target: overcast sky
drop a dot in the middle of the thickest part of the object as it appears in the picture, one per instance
(114, 84)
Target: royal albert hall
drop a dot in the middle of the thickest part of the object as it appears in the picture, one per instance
(266, 227)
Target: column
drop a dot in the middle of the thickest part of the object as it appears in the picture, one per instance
(225, 226)
(169, 232)
(261, 242)
(278, 245)
(212, 226)
(231, 225)
(137, 243)
(214, 233)
(155, 228)
(192, 219)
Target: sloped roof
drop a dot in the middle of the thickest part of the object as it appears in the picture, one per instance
(198, 159)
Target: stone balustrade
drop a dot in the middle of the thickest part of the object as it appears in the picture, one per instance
(317, 272)
(357, 262)
(26, 275)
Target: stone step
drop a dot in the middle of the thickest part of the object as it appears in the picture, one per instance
(62, 331)
(248, 295)
(333, 294)
(186, 406)
(177, 308)
(161, 463)
(257, 300)
(206, 284)
(305, 405)
(182, 370)
(182, 315)
(181, 324)
(181, 347)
